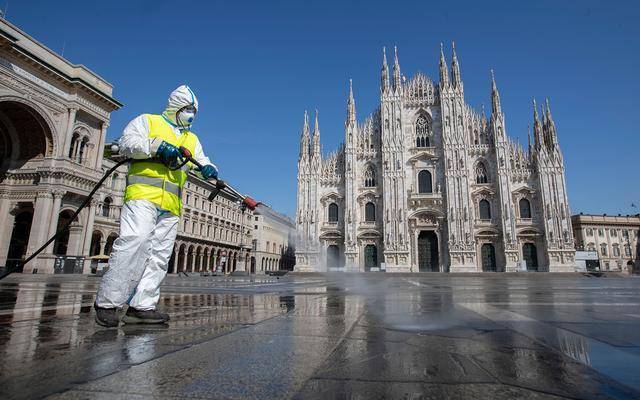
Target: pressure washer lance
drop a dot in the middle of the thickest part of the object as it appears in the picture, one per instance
(112, 152)
(221, 185)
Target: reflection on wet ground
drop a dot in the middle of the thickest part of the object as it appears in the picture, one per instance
(335, 336)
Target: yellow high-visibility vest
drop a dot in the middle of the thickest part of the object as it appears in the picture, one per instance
(152, 180)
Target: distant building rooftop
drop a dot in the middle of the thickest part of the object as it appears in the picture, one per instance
(606, 219)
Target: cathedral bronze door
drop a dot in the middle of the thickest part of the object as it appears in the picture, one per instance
(370, 257)
(428, 252)
(488, 257)
(530, 256)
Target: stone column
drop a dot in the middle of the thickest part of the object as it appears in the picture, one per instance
(192, 267)
(103, 138)
(88, 231)
(69, 134)
(55, 214)
(102, 243)
(76, 240)
(175, 259)
(90, 150)
(39, 231)
(74, 150)
(7, 219)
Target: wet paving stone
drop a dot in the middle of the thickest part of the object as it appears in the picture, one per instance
(344, 336)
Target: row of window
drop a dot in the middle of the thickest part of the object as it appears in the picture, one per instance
(202, 229)
(205, 205)
(524, 206)
(484, 208)
(425, 179)
(272, 248)
(604, 249)
(612, 232)
(369, 212)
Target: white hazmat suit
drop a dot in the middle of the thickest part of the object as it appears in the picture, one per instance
(140, 256)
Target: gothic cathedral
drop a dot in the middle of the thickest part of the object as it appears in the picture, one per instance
(426, 183)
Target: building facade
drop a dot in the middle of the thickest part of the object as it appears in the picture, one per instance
(273, 245)
(53, 121)
(212, 235)
(614, 238)
(427, 183)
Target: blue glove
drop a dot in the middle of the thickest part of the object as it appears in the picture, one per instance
(208, 172)
(168, 154)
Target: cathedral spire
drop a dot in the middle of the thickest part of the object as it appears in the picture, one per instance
(384, 78)
(496, 109)
(316, 137)
(396, 71)
(529, 139)
(550, 126)
(304, 138)
(537, 129)
(444, 72)
(351, 106)
(455, 68)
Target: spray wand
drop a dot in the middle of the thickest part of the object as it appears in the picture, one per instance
(220, 185)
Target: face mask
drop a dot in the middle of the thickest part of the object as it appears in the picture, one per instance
(186, 116)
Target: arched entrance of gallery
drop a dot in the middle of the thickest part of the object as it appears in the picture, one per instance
(24, 136)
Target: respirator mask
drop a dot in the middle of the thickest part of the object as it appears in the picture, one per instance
(185, 116)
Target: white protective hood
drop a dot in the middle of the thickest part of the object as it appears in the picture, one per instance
(182, 96)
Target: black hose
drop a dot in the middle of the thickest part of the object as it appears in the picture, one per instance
(9, 270)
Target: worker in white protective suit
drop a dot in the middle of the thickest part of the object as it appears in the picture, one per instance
(151, 211)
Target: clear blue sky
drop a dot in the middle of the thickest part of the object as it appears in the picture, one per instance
(256, 66)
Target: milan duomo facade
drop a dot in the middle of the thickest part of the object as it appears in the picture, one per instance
(426, 183)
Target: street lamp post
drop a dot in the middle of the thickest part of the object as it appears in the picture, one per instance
(629, 233)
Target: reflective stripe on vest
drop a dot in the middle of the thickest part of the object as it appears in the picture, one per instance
(157, 182)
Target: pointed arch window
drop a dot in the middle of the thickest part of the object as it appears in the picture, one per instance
(333, 212)
(525, 208)
(370, 212)
(425, 184)
(369, 177)
(485, 210)
(423, 129)
(481, 173)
